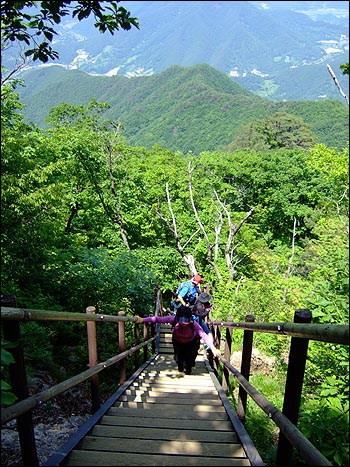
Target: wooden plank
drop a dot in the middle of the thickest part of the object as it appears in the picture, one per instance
(169, 408)
(172, 384)
(175, 399)
(168, 433)
(170, 392)
(190, 424)
(161, 413)
(91, 458)
(169, 387)
(155, 446)
(175, 377)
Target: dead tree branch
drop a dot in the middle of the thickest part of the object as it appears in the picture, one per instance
(336, 82)
(188, 258)
(231, 234)
(210, 246)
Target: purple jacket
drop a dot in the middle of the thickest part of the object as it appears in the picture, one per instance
(188, 334)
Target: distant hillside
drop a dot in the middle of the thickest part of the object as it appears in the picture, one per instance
(183, 108)
(279, 50)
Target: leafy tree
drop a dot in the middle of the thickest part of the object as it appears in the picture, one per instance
(20, 22)
(345, 68)
(281, 130)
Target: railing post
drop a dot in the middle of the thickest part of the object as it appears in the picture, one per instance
(145, 337)
(137, 341)
(122, 347)
(18, 380)
(294, 386)
(227, 356)
(245, 369)
(92, 346)
(210, 355)
(217, 341)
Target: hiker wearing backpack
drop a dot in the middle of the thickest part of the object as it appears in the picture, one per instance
(186, 337)
(201, 310)
(186, 293)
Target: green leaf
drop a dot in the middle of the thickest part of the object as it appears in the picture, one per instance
(6, 357)
(7, 398)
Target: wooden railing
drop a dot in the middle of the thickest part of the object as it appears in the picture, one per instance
(22, 410)
(301, 331)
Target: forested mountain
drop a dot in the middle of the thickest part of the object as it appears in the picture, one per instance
(278, 50)
(183, 108)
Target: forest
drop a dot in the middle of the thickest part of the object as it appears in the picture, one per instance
(89, 219)
(167, 108)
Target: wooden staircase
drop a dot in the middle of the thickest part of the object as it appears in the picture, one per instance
(167, 418)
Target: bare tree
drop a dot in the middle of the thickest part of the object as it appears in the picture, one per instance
(188, 258)
(210, 246)
(233, 229)
(21, 63)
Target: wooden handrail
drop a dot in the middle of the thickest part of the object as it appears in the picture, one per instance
(301, 331)
(335, 333)
(308, 451)
(22, 314)
(21, 407)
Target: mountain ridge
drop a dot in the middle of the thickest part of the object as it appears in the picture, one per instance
(183, 108)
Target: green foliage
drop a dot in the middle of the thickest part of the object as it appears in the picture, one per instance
(344, 68)
(38, 346)
(261, 429)
(168, 108)
(113, 282)
(18, 24)
(7, 396)
(280, 130)
(325, 422)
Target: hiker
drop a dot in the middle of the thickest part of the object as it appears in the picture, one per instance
(186, 293)
(202, 307)
(201, 310)
(186, 337)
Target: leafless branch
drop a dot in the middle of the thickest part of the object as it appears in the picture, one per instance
(209, 245)
(188, 258)
(336, 82)
(232, 232)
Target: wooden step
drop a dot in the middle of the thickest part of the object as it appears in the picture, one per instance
(165, 433)
(167, 447)
(91, 458)
(189, 424)
(197, 413)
